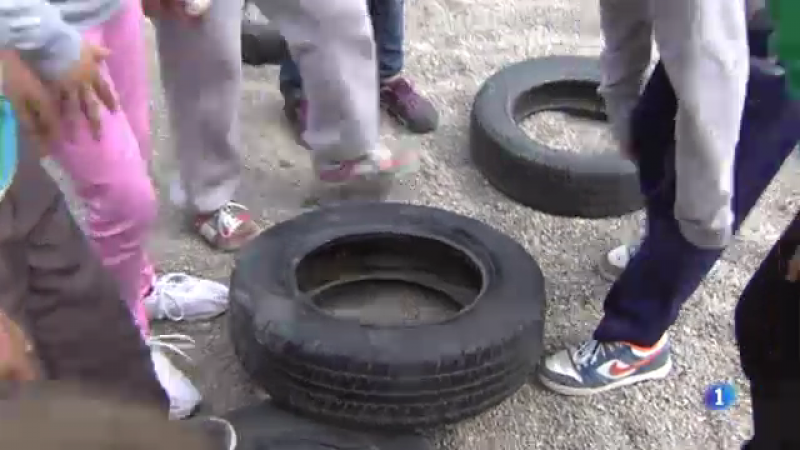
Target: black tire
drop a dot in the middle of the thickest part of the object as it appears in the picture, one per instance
(262, 44)
(570, 184)
(389, 377)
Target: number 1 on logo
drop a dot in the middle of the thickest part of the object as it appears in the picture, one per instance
(718, 397)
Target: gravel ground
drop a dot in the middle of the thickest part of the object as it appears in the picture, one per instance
(568, 134)
(453, 45)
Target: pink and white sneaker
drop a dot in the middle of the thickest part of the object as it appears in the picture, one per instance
(368, 178)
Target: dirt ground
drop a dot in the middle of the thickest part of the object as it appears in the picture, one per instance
(453, 45)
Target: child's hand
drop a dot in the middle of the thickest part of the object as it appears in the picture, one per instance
(15, 352)
(83, 84)
(34, 104)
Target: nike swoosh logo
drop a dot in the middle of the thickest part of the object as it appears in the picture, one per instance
(619, 369)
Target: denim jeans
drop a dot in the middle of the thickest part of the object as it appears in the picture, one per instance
(388, 24)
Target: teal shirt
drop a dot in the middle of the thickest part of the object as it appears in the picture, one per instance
(8, 145)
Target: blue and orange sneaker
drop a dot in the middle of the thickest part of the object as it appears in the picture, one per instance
(596, 367)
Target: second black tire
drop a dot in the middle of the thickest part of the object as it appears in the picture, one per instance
(395, 377)
(262, 44)
(557, 182)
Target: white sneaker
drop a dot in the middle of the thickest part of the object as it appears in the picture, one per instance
(184, 398)
(614, 262)
(179, 297)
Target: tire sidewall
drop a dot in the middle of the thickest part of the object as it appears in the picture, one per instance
(511, 304)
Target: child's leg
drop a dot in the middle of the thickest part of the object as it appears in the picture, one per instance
(289, 77)
(57, 289)
(399, 98)
(388, 25)
(331, 42)
(767, 332)
(201, 70)
(127, 68)
(295, 106)
(110, 174)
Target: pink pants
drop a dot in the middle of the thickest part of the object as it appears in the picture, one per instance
(111, 174)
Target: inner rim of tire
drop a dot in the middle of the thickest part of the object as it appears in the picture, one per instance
(578, 98)
(428, 264)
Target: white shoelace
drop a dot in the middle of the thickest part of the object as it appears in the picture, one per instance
(176, 343)
(164, 294)
(227, 220)
(588, 353)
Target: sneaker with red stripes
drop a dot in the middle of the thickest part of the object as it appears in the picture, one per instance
(227, 228)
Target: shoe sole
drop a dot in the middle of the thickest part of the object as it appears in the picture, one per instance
(657, 374)
(232, 248)
(406, 169)
(185, 415)
(608, 271)
(216, 246)
(404, 123)
(373, 188)
(191, 227)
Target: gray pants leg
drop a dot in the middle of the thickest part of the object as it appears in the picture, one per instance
(201, 70)
(332, 43)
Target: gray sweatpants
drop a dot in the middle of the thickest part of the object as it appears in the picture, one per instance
(703, 46)
(332, 43)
